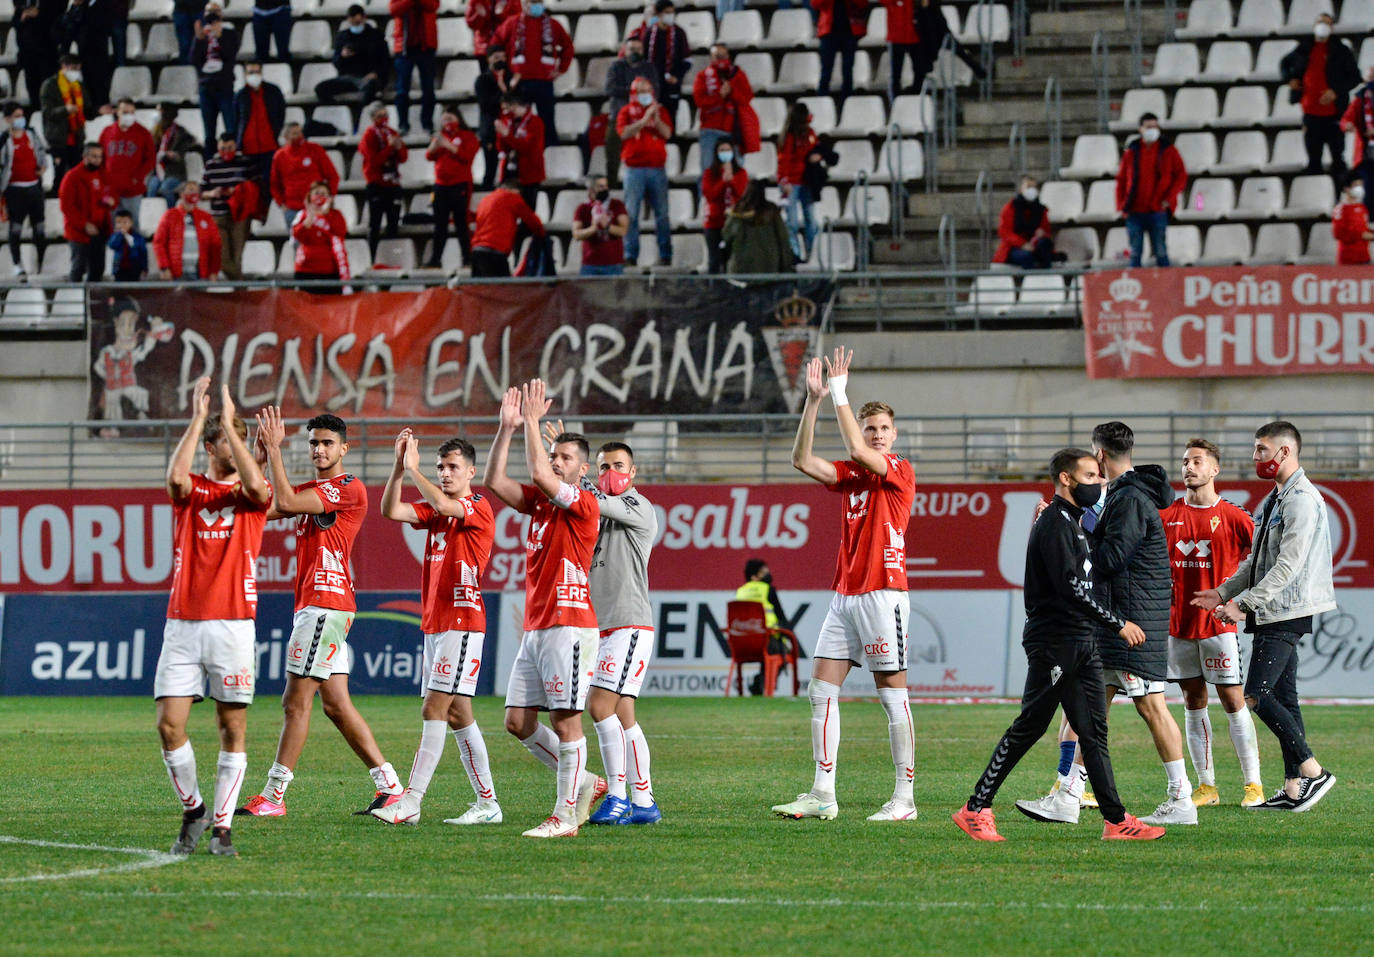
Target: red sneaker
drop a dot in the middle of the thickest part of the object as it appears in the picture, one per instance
(260, 806)
(1130, 829)
(979, 825)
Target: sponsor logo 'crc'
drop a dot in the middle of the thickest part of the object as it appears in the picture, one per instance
(554, 685)
(1218, 664)
(877, 648)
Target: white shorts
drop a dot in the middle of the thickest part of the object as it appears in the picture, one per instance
(319, 643)
(1216, 659)
(222, 652)
(870, 628)
(553, 669)
(452, 662)
(623, 659)
(1134, 686)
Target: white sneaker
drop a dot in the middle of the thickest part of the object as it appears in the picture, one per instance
(404, 811)
(1058, 806)
(481, 812)
(808, 805)
(895, 810)
(592, 789)
(1177, 810)
(553, 826)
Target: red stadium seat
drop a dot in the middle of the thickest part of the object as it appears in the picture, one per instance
(748, 633)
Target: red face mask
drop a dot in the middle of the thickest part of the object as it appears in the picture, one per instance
(318, 200)
(612, 482)
(1268, 469)
(226, 154)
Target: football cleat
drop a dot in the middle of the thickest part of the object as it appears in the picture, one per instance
(1057, 806)
(979, 825)
(808, 805)
(1088, 799)
(1206, 796)
(1312, 790)
(1131, 829)
(553, 826)
(379, 800)
(193, 825)
(405, 810)
(645, 813)
(222, 844)
(593, 789)
(260, 806)
(481, 812)
(1179, 810)
(895, 810)
(1254, 795)
(613, 810)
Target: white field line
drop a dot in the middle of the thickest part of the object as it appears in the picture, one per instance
(148, 859)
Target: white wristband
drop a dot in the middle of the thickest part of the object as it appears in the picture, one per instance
(837, 383)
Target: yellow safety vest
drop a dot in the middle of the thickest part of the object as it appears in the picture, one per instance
(758, 591)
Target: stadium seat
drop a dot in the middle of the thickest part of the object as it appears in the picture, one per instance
(1210, 199)
(1063, 199)
(1199, 151)
(876, 34)
(885, 71)
(312, 39)
(396, 255)
(772, 113)
(913, 113)
(1309, 196)
(57, 260)
(1078, 243)
(879, 210)
(1042, 294)
(948, 71)
(280, 74)
(682, 206)
(908, 163)
(856, 156)
(566, 84)
(150, 212)
(699, 25)
(791, 28)
(1175, 65)
(259, 259)
(1290, 154)
(1094, 154)
(1116, 250)
(760, 165)
(1206, 19)
(572, 264)
(593, 78)
(1228, 61)
(1244, 106)
(1136, 102)
(338, 116)
(1100, 206)
(835, 252)
(747, 635)
(822, 113)
(177, 84)
(759, 68)
(563, 164)
(987, 23)
(1267, 59)
(689, 251)
(1226, 245)
(416, 172)
(68, 309)
(1301, 13)
(359, 256)
(741, 29)
(1286, 112)
(27, 307)
(565, 205)
(1185, 245)
(1261, 197)
(1356, 16)
(161, 46)
(1321, 246)
(594, 33)
(135, 82)
(572, 119)
(798, 72)
(1243, 152)
(1195, 107)
(52, 218)
(151, 10)
(1259, 18)
(991, 294)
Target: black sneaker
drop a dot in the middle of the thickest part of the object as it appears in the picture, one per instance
(221, 844)
(193, 825)
(1312, 790)
(380, 799)
(1279, 802)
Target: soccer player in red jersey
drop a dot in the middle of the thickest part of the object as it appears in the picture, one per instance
(1208, 537)
(218, 519)
(558, 650)
(869, 614)
(328, 510)
(460, 529)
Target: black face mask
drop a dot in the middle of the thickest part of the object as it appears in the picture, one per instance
(634, 57)
(602, 195)
(1086, 496)
(767, 579)
(498, 66)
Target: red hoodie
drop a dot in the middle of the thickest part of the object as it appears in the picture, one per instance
(498, 216)
(483, 17)
(792, 157)
(168, 242)
(451, 169)
(718, 112)
(526, 142)
(129, 157)
(1349, 223)
(530, 58)
(381, 161)
(314, 235)
(721, 194)
(295, 168)
(85, 197)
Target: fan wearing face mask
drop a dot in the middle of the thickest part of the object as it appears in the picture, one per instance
(1320, 73)
(539, 51)
(1350, 225)
(361, 58)
(1359, 119)
(1148, 184)
(666, 49)
(1024, 229)
(129, 155)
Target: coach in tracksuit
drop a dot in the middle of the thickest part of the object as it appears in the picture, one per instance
(1063, 668)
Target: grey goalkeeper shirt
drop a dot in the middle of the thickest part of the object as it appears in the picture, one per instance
(619, 576)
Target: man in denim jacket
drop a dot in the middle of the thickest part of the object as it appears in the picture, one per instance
(1276, 591)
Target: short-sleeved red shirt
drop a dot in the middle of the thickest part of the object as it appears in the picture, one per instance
(324, 543)
(1206, 546)
(216, 535)
(456, 554)
(873, 530)
(558, 553)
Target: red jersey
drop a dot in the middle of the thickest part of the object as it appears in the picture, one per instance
(456, 554)
(324, 543)
(558, 552)
(216, 536)
(1206, 546)
(873, 534)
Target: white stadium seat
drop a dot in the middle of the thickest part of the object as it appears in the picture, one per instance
(1207, 19)
(1064, 200)
(1226, 245)
(1199, 151)
(1309, 196)
(1246, 151)
(1244, 106)
(1175, 64)
(1277, 243)
(1261, 197)
(1094, 154)
(1228, 61)
(1210, 198)
(1136, 102)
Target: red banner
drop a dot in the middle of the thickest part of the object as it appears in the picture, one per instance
(960, 537)
(1234, 321)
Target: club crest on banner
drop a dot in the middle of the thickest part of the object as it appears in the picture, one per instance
(791, 345)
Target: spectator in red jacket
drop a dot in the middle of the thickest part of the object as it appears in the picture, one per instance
(383, 152)
(187, 242)
(1024, 230)
(667, 50)
(297, 165)
(319, 231)
(840, 24)
(452, 150)
(1148, 184)
(23, 158)
(414, 41)
(721, 187)
(644, 126)
(129, 155)
(483, 17)
(796, 146)
(1350, 225)
(600, 224)
(539, 51)
(722, 93)
(520, 138)
(1359, 119)
(499, 216)
(902, 41)
(86, 199)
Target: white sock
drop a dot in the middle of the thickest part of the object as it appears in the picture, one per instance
(181, 768)
(901, 736)
(426, 757)
(1247, 748)
(1178, 778)
(543, 744)
(278, 779)
(472, 750)
(572, 758)
(637, 761)
(825, 735)
(1198, 727)
(610, 736)
(1078, 775)
(229, 771)
(384, 776)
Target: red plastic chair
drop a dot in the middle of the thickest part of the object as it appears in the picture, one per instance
(747, 631)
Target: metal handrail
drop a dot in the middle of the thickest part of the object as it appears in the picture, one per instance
(865, 230)
(1020, 26)
(897, 198)
(1135, 27)
(1016, 148)
(982, 208)
(982, 18)
(1054, 118)
(949, 104)
(1101, 64)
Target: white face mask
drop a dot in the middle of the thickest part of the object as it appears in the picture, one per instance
(19, 123)
(645, 99)
(1357, 193)
(1030, 193)
(73, 76)
(1150, 135)
(1322, 31)
(254, 80)
(666, 19)
(126, 120)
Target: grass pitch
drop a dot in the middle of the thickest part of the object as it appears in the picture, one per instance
(718, 876)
